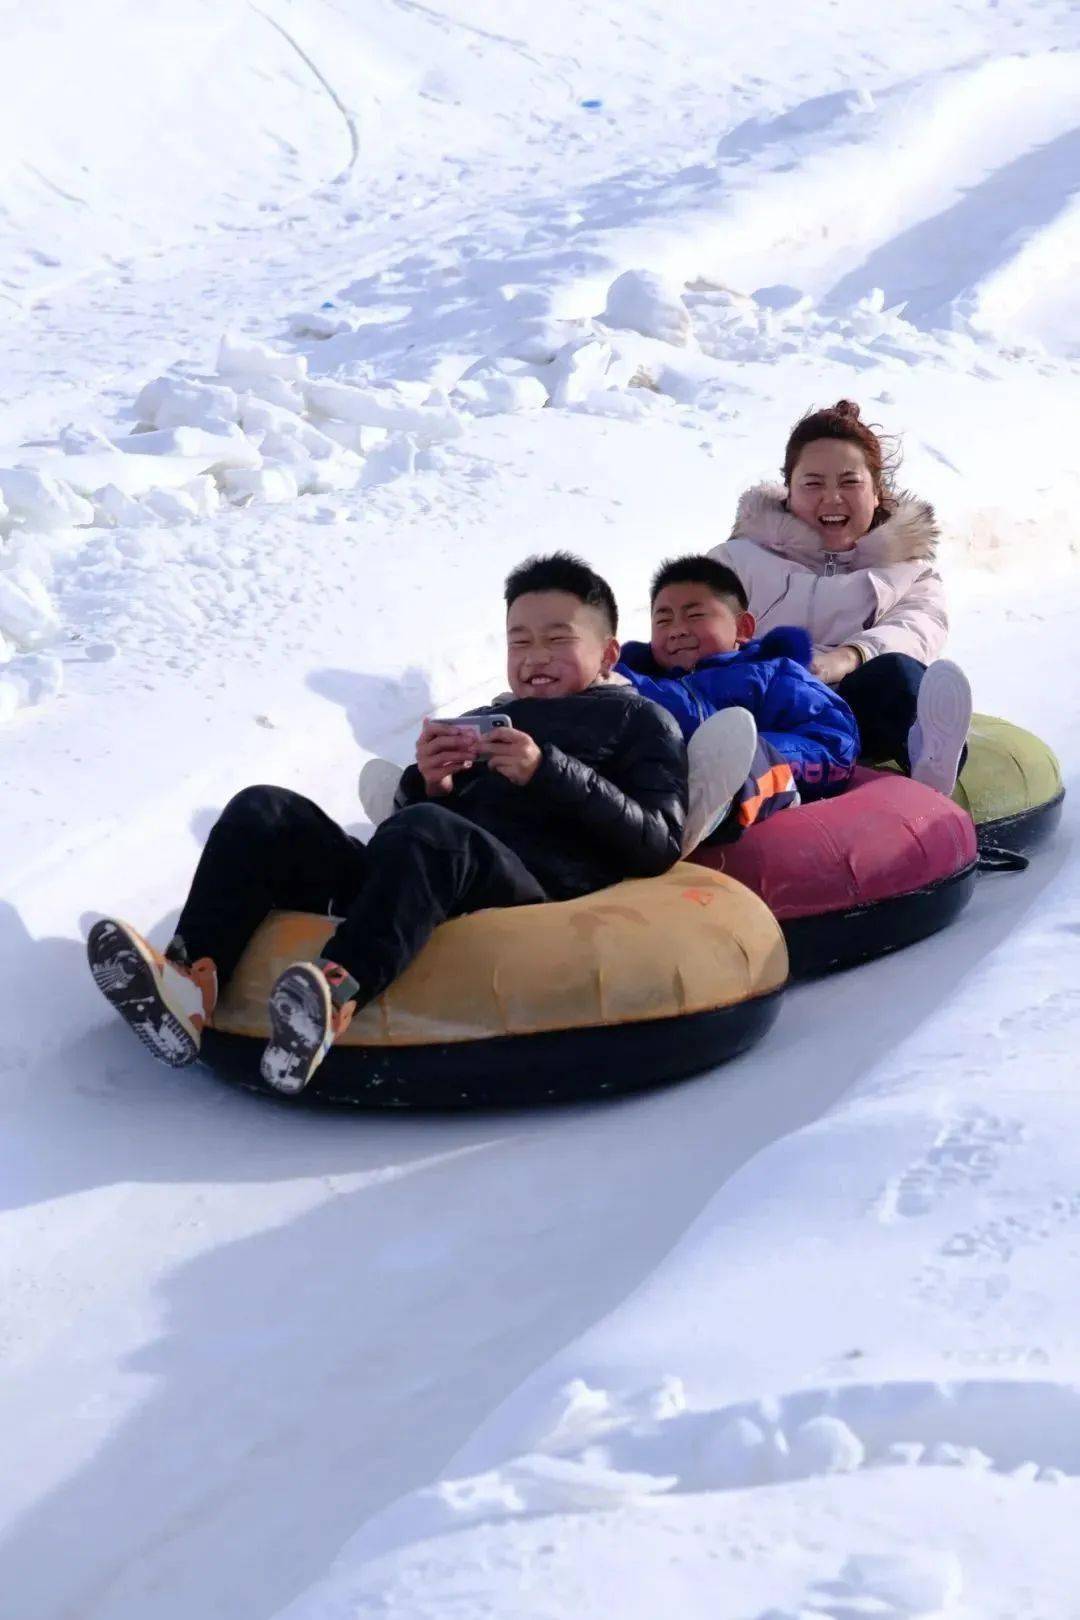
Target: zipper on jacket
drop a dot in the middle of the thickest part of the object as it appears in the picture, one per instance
(831, 568)
(816, 581)
(699, 707)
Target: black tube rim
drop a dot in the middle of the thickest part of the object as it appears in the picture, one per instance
(512, 1071)
(1024, 830)
(840, 939)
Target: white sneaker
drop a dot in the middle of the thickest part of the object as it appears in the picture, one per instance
(378, 784)
(936, 740)
(720, 752)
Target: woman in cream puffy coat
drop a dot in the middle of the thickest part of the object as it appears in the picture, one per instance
(835, 550)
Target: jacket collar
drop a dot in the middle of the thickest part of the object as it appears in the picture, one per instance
(638, 656)
(909, 534)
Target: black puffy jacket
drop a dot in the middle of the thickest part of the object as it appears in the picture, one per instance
(608, 799)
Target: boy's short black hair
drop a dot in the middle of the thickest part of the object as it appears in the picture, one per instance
(717, 578)
(562, 571)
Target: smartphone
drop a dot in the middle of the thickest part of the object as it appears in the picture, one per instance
(480, 723)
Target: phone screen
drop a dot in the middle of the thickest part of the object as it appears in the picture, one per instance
(480, 723)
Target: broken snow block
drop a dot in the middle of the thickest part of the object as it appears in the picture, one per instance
(169, 402)
(500, 396)
(577, 370)
(269, 483)
(246, 357)
(396, 458)
(39, 501)
(27, 616)
(643, 301)
(384, 408)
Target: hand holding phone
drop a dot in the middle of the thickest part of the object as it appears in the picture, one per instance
(440, 751)
(513, 754)
(447, 746)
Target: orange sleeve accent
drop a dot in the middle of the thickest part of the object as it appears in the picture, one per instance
(778, 779)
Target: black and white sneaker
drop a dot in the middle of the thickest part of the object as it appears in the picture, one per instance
(166, 1004)
(936, 740)
(304, 1023)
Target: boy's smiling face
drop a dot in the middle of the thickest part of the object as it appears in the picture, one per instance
(556, 645)
(689, 623)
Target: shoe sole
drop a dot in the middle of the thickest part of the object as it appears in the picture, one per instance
(738, 730)
(378, 784)
(943, 718)
(124, 972)
(300, 1013)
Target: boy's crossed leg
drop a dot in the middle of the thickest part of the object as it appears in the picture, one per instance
(274, 849)
(424, 866)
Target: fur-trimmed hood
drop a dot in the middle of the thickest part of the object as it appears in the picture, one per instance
(910, 534)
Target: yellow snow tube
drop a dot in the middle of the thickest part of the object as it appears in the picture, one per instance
(649, 981)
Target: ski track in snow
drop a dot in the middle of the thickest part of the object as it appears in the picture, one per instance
(481, 319)
(348, 117)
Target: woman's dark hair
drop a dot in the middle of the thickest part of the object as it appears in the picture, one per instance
(562, 571)
(842, 421)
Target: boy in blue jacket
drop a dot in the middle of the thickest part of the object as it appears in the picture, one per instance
(702, 660)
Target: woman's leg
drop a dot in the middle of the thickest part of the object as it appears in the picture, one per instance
(920, 723)
(269, 848)
(883, 695)
(937, 745)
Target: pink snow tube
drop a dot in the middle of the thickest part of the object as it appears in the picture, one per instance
(883, 864)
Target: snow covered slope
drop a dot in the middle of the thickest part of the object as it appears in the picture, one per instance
(467, 315)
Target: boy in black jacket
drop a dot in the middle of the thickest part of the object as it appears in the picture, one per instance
(587, 785)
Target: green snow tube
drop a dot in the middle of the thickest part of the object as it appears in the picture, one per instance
(1010, 785)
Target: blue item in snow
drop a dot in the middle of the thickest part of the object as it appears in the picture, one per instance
(801, 719)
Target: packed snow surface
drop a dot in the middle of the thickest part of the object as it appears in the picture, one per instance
(317, 318)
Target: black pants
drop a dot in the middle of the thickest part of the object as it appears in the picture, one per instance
(273, 848)
(882, 695)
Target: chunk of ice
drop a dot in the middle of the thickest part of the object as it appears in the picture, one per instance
(27, 617)
(500, 396)
(384, 408)
(826, 1445)
(247, 357)
(912, 1583)
(40, 501)
(642, 301)
(272, 484)
(168, 402)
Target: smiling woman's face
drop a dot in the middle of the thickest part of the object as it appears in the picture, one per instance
(832, 490)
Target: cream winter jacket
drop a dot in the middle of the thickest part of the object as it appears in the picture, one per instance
(881, 596)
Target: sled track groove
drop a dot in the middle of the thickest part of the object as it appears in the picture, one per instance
(350, 121)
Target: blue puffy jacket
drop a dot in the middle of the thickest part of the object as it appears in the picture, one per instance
(801, 719)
